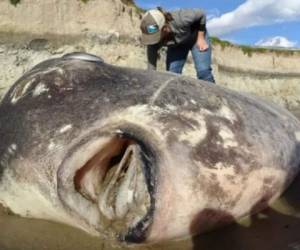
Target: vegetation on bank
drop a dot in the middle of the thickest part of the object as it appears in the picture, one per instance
(133, 4)
(14, 2)
(249, 50)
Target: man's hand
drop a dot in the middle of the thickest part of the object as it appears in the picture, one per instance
(201, 42)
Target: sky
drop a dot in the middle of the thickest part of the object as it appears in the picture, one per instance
(264, 23)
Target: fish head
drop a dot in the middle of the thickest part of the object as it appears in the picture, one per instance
(97, 148)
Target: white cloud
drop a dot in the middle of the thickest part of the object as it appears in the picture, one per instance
(212, 13)
(254, 13)
(277, 41)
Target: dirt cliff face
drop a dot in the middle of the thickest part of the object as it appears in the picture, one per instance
(69, 17)
(270, 73)
(37, 30)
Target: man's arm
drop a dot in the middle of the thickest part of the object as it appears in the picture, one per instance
(201, 42)
(197, 19)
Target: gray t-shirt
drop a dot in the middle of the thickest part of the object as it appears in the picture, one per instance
(185, 26)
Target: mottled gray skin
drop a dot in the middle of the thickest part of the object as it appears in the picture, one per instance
(246, 155)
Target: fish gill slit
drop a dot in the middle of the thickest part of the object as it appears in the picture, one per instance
(90, 177)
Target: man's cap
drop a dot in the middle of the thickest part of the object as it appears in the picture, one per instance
(151, 26)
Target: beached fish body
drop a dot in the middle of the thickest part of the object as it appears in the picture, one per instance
(139, 156)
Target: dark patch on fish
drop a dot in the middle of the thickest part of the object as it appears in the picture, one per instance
(209, 219)
(173, 121)
(212, 188)
(210, 151)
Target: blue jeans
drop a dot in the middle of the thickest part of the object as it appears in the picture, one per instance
(176, 58)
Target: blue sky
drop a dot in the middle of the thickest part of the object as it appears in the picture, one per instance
(251, 22)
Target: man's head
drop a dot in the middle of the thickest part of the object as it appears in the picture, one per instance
(151, 26)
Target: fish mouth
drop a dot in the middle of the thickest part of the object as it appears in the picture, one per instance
(116, 179)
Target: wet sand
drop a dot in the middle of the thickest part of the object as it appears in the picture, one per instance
(276, 228)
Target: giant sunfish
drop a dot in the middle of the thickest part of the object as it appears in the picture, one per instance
(139, 156)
